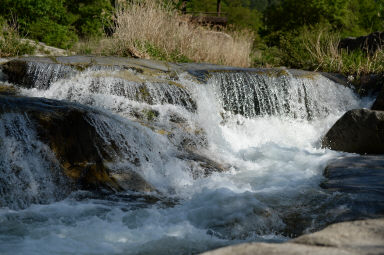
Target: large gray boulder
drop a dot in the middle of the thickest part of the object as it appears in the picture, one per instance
(357, 237)
(357, 131)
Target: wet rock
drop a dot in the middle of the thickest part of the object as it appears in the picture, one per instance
(356, 174)
(369, 43)
(199, 162)
(82, 153)
(357, 131)
(356, 237)
(362, 177)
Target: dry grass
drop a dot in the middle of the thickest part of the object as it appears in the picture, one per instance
(150, 29)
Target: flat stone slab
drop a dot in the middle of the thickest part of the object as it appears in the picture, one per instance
(356, 174)
(356, 237)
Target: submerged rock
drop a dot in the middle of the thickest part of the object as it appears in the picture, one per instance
(356, 237)
(357, 131)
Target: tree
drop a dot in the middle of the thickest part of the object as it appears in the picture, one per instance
(92, 15)
(44, 20)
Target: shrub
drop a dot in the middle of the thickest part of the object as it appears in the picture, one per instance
(52, 33)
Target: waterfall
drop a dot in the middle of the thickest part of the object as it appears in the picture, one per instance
(305, 96)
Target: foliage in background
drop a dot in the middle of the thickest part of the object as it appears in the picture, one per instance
(92, 16)
(240, 13)
(294, 33)
(57, 22)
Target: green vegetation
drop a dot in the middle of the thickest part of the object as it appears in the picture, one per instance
(301, 34)
(57, 22)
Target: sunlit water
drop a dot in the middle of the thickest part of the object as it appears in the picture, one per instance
(269, 193)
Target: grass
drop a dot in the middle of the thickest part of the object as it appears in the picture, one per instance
(316, 49)
(149, 29)
(11, 44)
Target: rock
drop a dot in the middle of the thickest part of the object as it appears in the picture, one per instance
(82, 153)
(363, 178)
(357, 131)
(357, 237)
(199, 162)
(369, 43)
(356, 174)
(378, 105)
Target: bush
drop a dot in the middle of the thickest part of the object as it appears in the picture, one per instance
(52, 33)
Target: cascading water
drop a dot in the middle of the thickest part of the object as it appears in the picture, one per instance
(278, 92)
(263, 128)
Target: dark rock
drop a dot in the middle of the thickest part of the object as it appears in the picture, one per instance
(357, 131)
(379, 102)
(369, 43)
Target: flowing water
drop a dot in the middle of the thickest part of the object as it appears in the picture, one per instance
(265, 129)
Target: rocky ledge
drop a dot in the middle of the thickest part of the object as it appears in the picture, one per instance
(356, 237)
